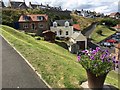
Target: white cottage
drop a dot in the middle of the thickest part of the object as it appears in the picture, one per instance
(77, 42)
(62, 28)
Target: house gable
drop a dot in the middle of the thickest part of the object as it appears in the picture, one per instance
(16, 5)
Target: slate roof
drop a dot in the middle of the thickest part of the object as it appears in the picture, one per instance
(15, 4)
(33, 17)
(62, 22)
(78, 36)
(113, 14)
(33, 6)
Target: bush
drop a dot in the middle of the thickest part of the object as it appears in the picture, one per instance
(109, 22)
(99, 32)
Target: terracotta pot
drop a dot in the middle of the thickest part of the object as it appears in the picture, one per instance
(95, 82)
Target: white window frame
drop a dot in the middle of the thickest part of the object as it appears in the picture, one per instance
(67, 24)
(54, 24)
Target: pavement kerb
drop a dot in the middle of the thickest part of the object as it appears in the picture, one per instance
(39, 75)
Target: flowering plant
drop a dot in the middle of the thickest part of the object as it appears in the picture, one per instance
(97, 61)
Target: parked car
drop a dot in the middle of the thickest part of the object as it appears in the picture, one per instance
(118, 34)
(107, 44)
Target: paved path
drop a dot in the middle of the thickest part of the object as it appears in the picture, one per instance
(89, 30)
(16, 72)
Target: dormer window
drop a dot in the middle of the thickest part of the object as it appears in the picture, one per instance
(54, 24)
(26, 18)
(67, 24)
(40, 18)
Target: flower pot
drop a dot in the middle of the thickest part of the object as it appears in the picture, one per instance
(95, 81)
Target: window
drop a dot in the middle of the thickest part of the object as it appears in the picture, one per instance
(25, 25)
(56, 32)
(40, 18)
(26, 18)
(60, 32)
(54, 24)
(40, 26)
(33, 26)
(66, 32)
(66, 24)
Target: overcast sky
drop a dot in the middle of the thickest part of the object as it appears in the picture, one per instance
(102, 6)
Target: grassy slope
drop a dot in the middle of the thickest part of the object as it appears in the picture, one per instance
(56, 65)
(84, 22)
(105, 31)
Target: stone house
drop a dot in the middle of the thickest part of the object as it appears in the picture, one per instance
(34, 23)
(41, 6)
(77, 42)
(17, 5)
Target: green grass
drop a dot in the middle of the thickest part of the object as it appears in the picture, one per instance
(56, 65)
(106, 32)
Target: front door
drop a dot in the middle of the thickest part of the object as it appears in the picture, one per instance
(81, 45)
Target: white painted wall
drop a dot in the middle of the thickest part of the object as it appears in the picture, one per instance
(63, 29)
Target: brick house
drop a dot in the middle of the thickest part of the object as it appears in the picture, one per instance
(35, 23)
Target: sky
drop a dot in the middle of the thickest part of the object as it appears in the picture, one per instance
(100, 6)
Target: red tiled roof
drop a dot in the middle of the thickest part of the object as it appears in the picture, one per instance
(33, 17)
(117, 26)
(76, 27)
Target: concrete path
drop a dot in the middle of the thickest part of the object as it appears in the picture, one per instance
(15, 71)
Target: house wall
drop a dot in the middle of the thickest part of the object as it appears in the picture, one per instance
(73, 48)
(37, 28)
(63, 29)
(117, 52)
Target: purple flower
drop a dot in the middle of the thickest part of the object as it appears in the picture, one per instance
(85, 51)
(102, 56)
(113, 58)
(94, 52)
(113, 61)
(92, 57)
(97, 49)
(117, 61)
(78, 57)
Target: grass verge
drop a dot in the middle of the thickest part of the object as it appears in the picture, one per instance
(106, 32)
